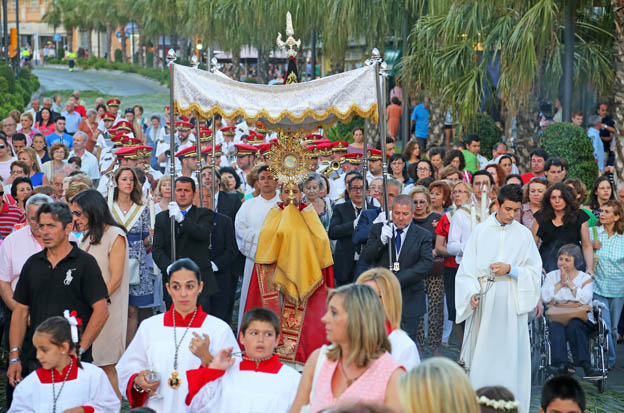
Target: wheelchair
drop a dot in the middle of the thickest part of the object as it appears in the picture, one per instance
(539, 335)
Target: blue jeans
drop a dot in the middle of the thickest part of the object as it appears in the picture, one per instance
(612, 317)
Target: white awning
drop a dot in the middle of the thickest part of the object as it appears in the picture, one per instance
(296, 107)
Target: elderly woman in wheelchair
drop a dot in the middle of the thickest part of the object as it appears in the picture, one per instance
(567, 294)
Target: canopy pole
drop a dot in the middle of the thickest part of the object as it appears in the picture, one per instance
(380, 86)
(212, 66)
(199, 160)
(171, 57)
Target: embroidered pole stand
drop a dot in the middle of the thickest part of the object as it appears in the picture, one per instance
(174, 381)
(54, 395)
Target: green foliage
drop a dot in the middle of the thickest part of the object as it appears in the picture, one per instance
(60, 53)
(485, 128)
(7, 73)
(118, 55)
(149, 59)
(344, 131)
(571, 143)
(4, 87)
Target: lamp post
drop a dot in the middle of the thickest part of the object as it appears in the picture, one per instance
(171, 57)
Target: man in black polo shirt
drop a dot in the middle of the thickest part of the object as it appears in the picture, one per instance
(60, 277)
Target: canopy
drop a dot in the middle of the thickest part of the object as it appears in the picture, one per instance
(296, 107)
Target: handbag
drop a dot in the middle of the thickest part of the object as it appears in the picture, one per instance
(563, 311)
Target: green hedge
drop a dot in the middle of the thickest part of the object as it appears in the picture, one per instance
(571, 143)
(16, 94)
(485, 128)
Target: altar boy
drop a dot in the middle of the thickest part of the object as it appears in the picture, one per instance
(255, 381)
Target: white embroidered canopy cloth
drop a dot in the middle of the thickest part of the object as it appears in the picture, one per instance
(295, 107)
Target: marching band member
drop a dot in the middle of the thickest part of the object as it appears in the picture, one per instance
(152, 370)
(255, 382)
(63, 383)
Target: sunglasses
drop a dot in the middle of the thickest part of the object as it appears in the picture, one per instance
(2, 146)
(77, 214)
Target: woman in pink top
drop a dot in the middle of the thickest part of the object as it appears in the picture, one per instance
(357, 367)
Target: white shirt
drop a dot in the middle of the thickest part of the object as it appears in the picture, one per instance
(404, 350)
(459, 232)
(89, 164)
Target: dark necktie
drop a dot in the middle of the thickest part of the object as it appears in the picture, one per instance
(357, 211)
(397, 240)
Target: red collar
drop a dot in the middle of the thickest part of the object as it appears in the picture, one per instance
(300, 207)
(389, 328)
(184, 322)
(45, 376)
(271, 366)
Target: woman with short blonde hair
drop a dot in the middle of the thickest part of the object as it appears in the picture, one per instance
(357, 367)
(387, 287)
(437, 385)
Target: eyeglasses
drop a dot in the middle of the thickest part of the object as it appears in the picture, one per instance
(356, 188)
(2, 146)
(423, 169)
(77, 214)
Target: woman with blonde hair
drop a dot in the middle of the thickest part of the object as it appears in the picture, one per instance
(357, 367)
(437, 385)
(387, 287)
(29, 156)
(163, 192)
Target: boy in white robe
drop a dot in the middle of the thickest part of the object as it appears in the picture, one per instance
(76, 384)
(257, 383)
(501, 258)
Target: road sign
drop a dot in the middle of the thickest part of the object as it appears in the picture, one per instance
(56, 37)
(118, 34)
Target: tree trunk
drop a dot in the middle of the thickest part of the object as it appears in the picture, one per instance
(437, 114)
(236, 67)
(618, 89)
(124, 46)
(109, 41)
(371, 131)
(263, 65)
(90, 43)
(526, 139)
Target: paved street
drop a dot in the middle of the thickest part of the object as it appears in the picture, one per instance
(129, 87)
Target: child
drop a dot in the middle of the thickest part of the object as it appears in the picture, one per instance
(562, 394)
(257, 383)
(493, 399)
(63, 383)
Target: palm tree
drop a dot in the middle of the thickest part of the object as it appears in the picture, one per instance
(455, 47)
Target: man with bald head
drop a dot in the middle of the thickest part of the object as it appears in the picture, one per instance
(9, 127)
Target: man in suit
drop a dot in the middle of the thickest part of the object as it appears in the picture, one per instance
(192, 238)
(341, 226)
(411, 259)
(226, 203)
(371, 216)
(223, 253)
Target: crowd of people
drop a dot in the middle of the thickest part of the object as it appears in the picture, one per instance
(106, 261)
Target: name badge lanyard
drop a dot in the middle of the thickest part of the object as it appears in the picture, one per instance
(397, 251)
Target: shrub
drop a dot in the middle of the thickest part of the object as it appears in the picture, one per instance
(571, 143)
(4, 87)
(485, 128)
(60, 53)
(7, 73)
(118, 55)
(149, 59)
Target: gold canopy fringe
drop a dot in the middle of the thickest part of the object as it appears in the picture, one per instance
(354, 109)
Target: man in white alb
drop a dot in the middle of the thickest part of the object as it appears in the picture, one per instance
(248, 224)
(497, 285)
